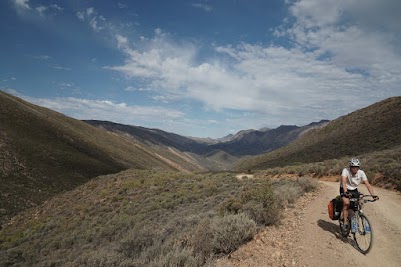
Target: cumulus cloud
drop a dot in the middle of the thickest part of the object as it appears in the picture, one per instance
(336, 65)
(338, 56)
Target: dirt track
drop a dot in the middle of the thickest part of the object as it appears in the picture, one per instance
(307, 236)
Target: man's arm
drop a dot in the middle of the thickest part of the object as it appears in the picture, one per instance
(370, 189)
(368, 186)
(344, 184)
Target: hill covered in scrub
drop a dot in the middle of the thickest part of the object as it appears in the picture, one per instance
(147, 218)
(44, 153)
(371, 129)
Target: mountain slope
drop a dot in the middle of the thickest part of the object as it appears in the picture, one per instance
(244, 143)
(256, 142)
(374, 128)
(151, 136)
(44, 152)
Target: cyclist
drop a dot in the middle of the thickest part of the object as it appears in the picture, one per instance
(352, 177)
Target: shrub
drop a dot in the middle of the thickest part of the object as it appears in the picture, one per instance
(257, 201)
(307, 184)
(138, 240)
(260, 214)
(101, 258)
(223, 234)
(231, 231)
(178, 257)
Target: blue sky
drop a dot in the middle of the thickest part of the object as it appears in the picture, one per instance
(201, 68)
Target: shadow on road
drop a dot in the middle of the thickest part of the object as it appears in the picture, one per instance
(332, 228)
(335, 230)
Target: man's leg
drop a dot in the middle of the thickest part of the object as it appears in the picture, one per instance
(345, 209)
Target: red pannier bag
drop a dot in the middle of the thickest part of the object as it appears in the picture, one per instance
(334, 208)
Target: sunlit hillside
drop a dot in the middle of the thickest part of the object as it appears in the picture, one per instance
(147, 218)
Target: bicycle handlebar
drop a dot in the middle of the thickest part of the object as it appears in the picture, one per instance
(361, 196)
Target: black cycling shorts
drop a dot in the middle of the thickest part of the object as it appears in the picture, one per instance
(354, 193)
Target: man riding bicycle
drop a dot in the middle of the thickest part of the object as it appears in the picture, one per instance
(352, 177)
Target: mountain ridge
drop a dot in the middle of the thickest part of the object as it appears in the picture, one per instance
(373, 128)
(244, 143)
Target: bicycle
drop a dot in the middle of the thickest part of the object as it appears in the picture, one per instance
(358, 224)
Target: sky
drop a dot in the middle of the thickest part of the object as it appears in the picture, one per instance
(201, 68)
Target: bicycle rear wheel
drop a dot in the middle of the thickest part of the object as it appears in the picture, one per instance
(364, 236)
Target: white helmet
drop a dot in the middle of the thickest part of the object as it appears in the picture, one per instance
(354, 163)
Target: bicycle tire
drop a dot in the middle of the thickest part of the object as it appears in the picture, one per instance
(364, 236)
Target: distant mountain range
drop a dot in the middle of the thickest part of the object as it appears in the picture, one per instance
(374, 128)
(244, 143)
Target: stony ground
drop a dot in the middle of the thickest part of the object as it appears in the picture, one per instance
(308, 237)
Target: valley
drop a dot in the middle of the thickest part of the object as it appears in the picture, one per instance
(106, 194)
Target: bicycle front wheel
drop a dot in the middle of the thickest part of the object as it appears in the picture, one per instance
(364, 236)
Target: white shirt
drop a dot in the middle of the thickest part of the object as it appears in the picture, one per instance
(353, 181)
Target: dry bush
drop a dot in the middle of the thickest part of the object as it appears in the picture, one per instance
(287, 191)
(138, 240)
(143, 218)
(260, 214)
(178, 257)
(102, 258)
(257, 201)
(222, 235)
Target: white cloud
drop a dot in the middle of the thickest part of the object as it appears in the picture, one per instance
(90, 11)
(95, 21)
(43, 57)
(24, 7)
(204, 7)
(41, 9)
(339, 29)
(56, 7)
(81, 15)
(336, 65)
(339, 56)
(22, 4)
(136, 89)
(104, 109)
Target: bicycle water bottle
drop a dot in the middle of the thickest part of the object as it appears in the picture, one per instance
(354, 226)
(367, 227)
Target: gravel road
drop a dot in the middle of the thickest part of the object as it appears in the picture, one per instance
(308, 237)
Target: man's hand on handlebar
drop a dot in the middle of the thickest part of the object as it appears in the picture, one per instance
(347, 194)
(375, 197)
